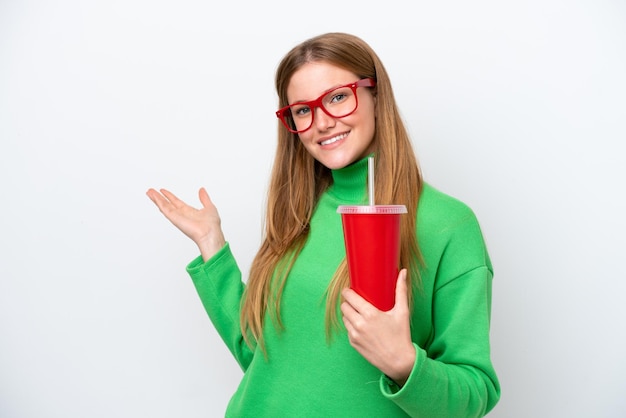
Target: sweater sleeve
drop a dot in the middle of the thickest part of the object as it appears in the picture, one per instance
(220, 288)
(453, 375)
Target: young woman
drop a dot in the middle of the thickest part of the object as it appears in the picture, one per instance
(308, 344)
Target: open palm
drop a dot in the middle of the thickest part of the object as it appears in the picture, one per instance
(202, 225)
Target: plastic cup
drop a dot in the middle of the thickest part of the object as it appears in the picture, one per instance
(372, 240)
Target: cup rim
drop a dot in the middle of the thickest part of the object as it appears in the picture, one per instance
(372, 209)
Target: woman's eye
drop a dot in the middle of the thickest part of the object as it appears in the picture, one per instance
(338, 97)
(301, 111)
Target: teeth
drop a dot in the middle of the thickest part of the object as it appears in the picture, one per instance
(334, 139)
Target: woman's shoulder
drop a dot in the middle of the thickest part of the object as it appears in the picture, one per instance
(441, 209)
(445, 224)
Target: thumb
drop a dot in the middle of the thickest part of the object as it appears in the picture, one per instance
(401, 289)
(204, 197)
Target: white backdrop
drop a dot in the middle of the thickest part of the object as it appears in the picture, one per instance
(517, 108)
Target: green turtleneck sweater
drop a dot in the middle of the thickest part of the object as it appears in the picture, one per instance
(305, 376)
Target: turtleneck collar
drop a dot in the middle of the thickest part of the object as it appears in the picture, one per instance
(350, 182)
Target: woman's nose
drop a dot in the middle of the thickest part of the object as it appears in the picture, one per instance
(322, 120)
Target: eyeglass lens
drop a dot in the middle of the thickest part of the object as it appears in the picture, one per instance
(337, 103)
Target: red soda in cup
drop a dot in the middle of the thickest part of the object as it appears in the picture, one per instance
(372, 241)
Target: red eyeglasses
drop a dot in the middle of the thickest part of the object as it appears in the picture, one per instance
(339, 102)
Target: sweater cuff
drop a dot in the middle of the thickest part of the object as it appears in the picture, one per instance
(391, 389)
(198, 263)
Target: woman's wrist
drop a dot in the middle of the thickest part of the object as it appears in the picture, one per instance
(211, 245)
(404, 367)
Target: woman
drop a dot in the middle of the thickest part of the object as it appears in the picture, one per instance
(308, 344)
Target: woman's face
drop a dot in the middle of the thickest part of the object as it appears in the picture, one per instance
(334, 142)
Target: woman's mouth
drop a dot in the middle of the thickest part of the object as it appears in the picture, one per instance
(333, 139)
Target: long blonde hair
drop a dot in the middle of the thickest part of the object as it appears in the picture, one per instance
(297, 182)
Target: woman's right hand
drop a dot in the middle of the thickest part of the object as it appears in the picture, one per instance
(203, 226)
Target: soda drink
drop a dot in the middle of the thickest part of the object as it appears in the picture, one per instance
(372, 241)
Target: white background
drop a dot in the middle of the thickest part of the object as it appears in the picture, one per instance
(516, 107)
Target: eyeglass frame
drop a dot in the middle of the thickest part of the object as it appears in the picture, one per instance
(312, 104)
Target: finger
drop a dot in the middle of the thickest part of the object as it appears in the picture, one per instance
(172, 198)
(401, 289)
(347, 309)
(355, 300)
(347, 313)
(348, 325)
(151, 194)
(204, 197)
(158, 199)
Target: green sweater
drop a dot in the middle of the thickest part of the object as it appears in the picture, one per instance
(304, 376)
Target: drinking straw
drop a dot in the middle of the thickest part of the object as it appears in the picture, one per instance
(370, 180)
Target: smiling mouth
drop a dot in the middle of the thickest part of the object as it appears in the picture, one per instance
(334, 139)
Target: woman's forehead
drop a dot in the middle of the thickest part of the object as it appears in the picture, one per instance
(315, 78)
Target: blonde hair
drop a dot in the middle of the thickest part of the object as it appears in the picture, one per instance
(298, 180)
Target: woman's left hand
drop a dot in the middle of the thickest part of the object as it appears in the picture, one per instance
(383, 338)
